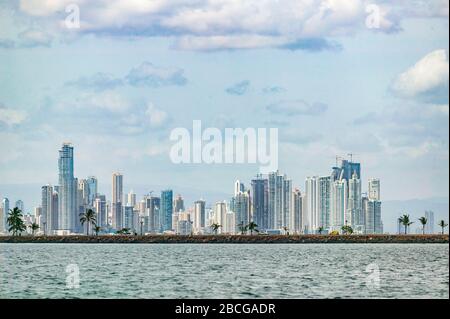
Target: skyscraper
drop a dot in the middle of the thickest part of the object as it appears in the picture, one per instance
(260, 202)
(166, 209)
(117, 201)
(5, 207)
(372, 212)
(238, 187)
(220, 211)
(429, 227)
(178, 204)
(241, 209)
(47, 209)
(20, 205)
(131, 199)
(374, 189)
(297, 212)
(338, 204)
(312, 222)
(100, 210)
(280, 189)
(152, 216)
(354, 204)
(324, 198)
(67, 190)
(199, 215)
(55, 210)
(92, 184)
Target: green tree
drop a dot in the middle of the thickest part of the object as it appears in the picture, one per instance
(33, 228)
(252, 227)
(347, 230)
(443, 224)
(97, 229)
(215, 227)
(15, 221)
(286, 230)
(320, 230)
(406, 222)
(423, 221)
(124, 231)
(88, 218)
(242, 228)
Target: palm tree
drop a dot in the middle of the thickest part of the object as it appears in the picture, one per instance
(405, 221)
(242, 228)
(97, 229)
(33, 228)
(252, 227)
(347, 230)
(87, 217)
(15, 221)
(286, 230)
(442, 224)
(215, 227)
(423, 221)
(320, 230)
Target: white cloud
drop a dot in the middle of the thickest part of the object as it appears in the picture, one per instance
(232, 24)
(156, 118)
(35, 38)
(11, 117)
(110, 101)
(150, 75)
(428, 79)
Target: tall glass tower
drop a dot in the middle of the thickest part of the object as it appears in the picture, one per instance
(67, 190)
(166, 209)
(260, 202)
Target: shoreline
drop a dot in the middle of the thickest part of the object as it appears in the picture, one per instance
(231, 239)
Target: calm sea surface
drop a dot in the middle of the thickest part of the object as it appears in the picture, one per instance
(224, 271)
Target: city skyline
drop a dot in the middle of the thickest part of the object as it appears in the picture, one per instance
(327, 203)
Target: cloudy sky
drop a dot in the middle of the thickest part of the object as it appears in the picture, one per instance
(334, 76)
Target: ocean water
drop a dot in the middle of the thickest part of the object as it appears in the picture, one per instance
(224, 271)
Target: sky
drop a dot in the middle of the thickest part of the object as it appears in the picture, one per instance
(334, 76)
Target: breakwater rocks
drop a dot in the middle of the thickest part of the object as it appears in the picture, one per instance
(230, 239)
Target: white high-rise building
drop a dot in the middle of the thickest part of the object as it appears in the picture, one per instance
(374, 189)
(131, 199)
(312, 221)
(230, 223)
(101, 211)
(338, 204)
(280, 197)
(220, 211)
(238, 187)
(372, 212)
(429, 227)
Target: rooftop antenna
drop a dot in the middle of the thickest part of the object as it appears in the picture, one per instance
(351, 157)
